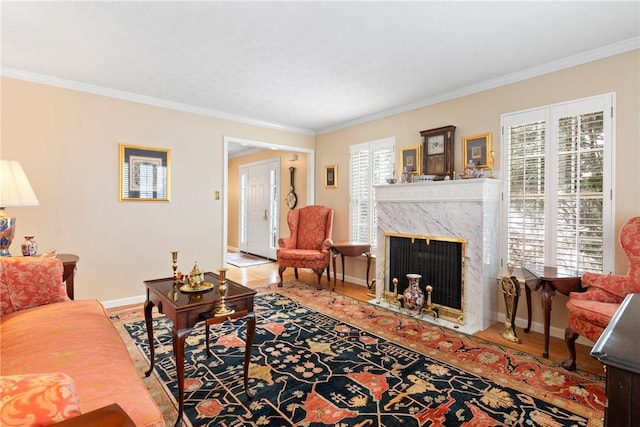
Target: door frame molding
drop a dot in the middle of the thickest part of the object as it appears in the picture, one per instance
(225, 178)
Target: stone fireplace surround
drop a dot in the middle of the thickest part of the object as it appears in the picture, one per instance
(464, 209)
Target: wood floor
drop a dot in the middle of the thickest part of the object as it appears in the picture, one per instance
(532, 342)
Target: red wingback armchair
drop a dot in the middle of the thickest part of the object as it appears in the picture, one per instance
(309, 243)
(591, 311)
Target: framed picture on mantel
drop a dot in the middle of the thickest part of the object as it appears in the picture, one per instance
(476, 149)
(411, 159)
(437, 151)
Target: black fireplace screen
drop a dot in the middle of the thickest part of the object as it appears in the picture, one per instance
(439, 262)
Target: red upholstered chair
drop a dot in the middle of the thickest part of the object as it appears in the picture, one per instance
(309, 243)
(591, 311)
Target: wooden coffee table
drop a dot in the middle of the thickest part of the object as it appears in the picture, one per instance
(187, 309)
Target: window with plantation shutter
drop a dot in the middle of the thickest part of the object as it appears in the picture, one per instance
(558, 209)
(371, 163)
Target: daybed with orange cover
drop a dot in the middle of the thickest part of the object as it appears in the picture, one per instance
(60, 358)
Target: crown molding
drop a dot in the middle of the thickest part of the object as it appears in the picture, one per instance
(550, 67)
(142, 99)
(564, 63)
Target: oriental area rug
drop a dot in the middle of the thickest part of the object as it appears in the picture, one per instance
(320, 358)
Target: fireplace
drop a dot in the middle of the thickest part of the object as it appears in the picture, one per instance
(440, 262)
(463, 211)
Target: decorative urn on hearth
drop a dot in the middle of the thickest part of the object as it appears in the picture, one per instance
(413, 295)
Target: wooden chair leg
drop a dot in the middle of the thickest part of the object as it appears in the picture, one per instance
(319, 272)
(280, 270)
(570, 337)
(295, 272)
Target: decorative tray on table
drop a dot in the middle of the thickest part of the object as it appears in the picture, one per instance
(205, 286)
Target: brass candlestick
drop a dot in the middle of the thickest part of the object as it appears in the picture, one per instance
(223, 310)
(174, 263)
(174, 293)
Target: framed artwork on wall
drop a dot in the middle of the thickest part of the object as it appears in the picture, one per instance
(331, 176)
(144, 173)
(411, 159)
(477, 148)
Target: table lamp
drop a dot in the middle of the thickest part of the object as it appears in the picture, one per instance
(15, 190)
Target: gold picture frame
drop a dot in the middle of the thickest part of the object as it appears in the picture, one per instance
(331, 176)
(478, 149)
(145, 174)
(411, 159)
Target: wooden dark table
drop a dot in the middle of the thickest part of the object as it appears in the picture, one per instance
(618, 349)
(108, 416)
(549, 280)
(187, 309)
(69, 262)
(350, 249)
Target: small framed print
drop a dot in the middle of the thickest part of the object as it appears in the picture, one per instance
(411, 159)
(331, 176)
(476, 148)
(144, 173)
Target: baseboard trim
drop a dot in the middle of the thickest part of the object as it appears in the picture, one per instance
(123, 301)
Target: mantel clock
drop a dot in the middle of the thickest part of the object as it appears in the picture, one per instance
(437, 149)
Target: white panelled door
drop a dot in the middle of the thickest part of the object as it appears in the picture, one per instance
(258, 208)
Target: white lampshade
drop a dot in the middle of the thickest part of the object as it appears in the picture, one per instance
(15, 189)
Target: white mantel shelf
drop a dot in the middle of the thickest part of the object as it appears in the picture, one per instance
(481, 189)
(465, 209)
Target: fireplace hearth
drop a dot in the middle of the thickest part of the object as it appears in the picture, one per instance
(465, 212)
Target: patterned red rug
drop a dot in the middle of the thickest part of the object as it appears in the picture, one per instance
(320, 358)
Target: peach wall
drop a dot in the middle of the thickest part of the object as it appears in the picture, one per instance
(67, 142)
(480, 113)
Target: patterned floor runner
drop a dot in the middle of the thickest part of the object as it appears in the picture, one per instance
(312, 368)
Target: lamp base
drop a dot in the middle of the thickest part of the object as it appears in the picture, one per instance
(7, 232)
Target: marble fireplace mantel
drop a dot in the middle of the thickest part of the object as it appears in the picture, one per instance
(464, 209)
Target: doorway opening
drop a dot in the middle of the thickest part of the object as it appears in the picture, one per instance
(229, 145)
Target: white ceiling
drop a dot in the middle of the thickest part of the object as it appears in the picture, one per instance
(305, 66)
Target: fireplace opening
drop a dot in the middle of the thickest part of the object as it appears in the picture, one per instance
(440, 262)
